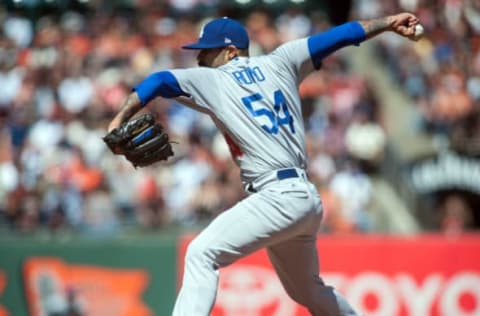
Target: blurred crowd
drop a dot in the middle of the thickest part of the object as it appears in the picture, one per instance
(63, 76)
(442, 72)
(441, 75)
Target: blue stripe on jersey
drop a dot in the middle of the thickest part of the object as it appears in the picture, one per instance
(162, 83)
(323, 44)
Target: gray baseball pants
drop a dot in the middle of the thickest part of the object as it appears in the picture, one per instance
(283, 216)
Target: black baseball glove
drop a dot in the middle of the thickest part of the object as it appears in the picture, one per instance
(141, 140)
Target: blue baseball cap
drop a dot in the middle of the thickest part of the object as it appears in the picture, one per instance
(221, 32)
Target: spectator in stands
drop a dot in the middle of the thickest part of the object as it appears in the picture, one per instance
(63, 75)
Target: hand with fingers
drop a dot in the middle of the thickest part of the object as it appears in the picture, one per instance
(407, 25)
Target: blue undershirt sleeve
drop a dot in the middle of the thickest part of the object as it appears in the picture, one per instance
(163, 84)
(323, 44)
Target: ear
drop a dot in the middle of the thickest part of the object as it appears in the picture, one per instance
(232, 52)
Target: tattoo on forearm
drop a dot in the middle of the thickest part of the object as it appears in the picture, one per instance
(131, 106)
(375, 26)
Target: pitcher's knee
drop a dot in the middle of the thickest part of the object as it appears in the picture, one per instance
(319, 299)
(322, 306)
(307, 300)
(199, 255)
(304, 296)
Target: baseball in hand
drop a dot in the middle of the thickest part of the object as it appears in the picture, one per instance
(419, 30)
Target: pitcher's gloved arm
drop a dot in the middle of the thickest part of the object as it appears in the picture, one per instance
(131, 105)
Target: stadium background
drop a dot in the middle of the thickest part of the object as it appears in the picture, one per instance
(393, 143)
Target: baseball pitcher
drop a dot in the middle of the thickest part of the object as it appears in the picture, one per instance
(254, 101)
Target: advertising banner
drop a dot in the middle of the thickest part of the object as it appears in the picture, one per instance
(3, 285)
(446, 171)
(379, 275)
(56, 287)
(85, 277)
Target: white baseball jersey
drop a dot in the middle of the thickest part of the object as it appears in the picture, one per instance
(254, 101)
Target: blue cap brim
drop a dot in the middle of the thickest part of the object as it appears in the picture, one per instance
(198, 45)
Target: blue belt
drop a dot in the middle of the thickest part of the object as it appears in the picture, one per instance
(281, 175)
(287, 173)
